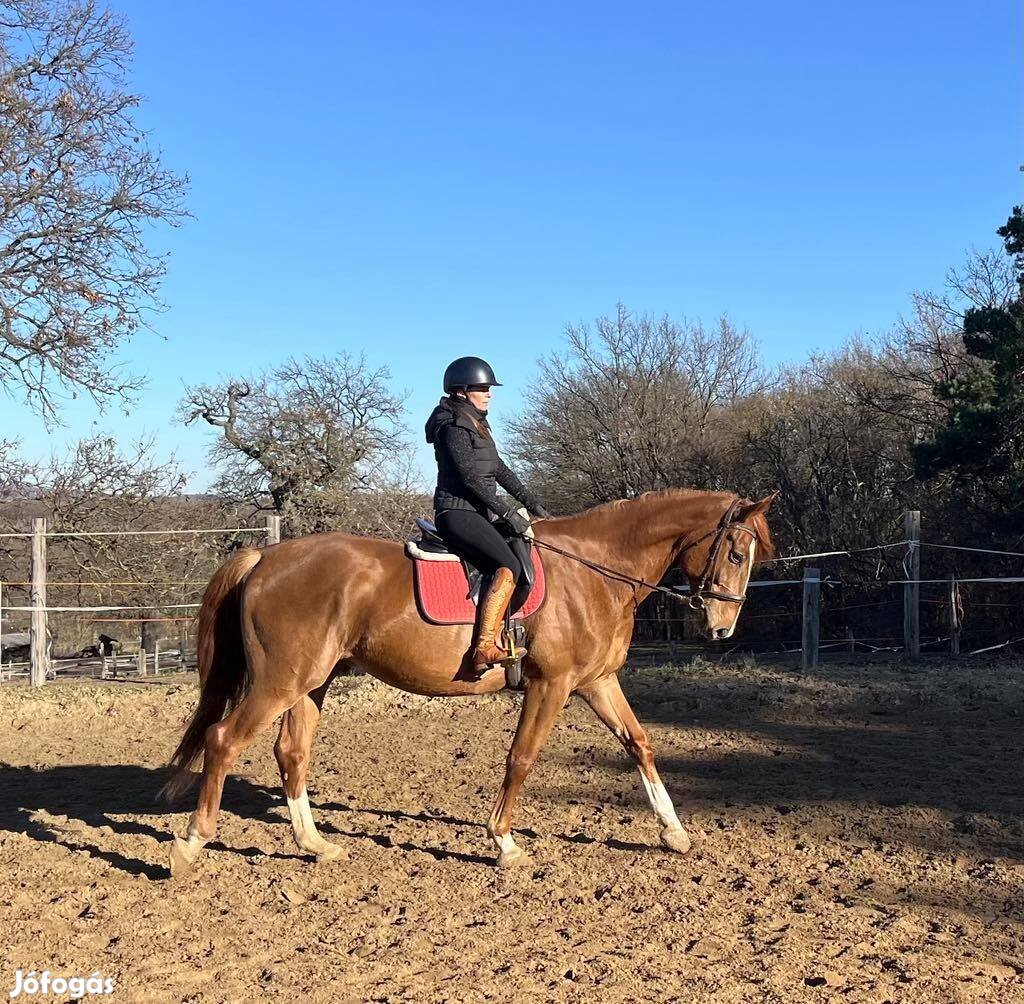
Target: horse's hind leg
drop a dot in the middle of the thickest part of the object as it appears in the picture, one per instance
(292, 753)
(610, 705)
(225, 742)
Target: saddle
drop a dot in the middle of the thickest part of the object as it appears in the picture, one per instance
(448, 587)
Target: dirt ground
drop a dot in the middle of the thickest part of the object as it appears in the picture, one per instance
(857, 837)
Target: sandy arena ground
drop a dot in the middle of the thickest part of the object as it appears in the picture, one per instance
(857, 837)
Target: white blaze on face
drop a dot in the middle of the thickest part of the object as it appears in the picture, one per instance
(719, 610)
(742, 591)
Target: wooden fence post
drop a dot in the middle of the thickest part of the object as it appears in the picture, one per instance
(273, 528)
(955, 620)
(812, 610)
(912, 588)
(38, 651)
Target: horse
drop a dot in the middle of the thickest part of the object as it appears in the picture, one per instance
(276, 625)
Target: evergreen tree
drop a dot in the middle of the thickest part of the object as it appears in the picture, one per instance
(981, 447)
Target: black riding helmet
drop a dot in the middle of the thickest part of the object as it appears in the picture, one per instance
(469, 371)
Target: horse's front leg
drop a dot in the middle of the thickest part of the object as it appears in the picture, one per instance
(610, 705)
(542, 704)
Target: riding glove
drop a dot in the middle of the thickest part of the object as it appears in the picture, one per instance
(517, 521)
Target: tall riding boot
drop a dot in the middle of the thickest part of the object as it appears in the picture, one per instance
(492, 610)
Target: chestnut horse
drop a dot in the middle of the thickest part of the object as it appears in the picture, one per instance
(277, 624)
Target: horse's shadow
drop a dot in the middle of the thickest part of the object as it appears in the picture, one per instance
(97, 796)
(612, 843)
(61, 804)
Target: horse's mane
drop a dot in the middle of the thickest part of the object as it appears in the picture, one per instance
(758, 523)
(617, 505)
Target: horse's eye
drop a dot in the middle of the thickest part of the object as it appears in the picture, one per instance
(735, 557)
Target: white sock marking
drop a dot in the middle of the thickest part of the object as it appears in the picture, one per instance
(506, 845)
(661, 803)
(303, 826)
(193, 842)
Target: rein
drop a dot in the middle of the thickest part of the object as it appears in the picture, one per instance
(609, 573)
(695, 598)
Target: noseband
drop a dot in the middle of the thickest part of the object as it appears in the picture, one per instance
(705, 587)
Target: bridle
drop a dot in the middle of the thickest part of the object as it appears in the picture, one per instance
(703, 592)
(695, 598)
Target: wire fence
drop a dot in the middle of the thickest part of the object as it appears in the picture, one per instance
(947, 611)
(32, 657)
(30, 653)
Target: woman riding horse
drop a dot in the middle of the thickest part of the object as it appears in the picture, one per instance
(466, 504)
(278, 624)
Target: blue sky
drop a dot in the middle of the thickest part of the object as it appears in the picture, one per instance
(421, 181)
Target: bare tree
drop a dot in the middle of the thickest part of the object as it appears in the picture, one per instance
(831, 439)
(101, 487)
(95, 496)
(17, 475)
(636, 404)
(79, 189)
(97, 485)
(18, 480)
(320, 441)
(925, 349)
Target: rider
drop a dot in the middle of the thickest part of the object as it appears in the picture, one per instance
(466, 500)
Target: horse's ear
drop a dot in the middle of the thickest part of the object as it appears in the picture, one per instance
(761, 506)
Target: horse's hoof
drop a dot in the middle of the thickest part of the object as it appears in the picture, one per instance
(675, 840)
(331, 852)
(182, 858)
(511, 859)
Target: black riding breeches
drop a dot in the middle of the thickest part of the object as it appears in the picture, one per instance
(473, 537)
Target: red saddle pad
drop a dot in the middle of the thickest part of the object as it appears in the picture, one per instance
(442, 588)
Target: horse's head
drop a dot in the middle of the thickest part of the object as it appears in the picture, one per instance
(719, 562)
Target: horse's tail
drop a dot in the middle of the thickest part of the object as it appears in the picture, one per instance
(223, 673)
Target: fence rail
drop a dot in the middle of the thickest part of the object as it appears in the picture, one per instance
(40, 664)
(113, 667)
